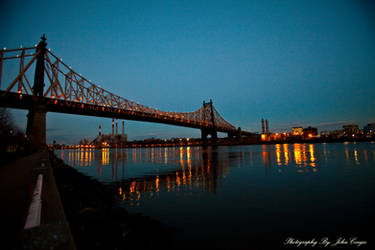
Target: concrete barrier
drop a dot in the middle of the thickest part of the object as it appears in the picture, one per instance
(53, 231)
(33, 216)
(32, 213)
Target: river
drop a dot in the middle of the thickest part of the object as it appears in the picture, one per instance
(230, 196)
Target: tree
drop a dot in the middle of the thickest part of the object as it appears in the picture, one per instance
(10, 135)
(6, 122)
(84, 142)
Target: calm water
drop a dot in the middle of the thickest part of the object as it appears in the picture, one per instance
(226, 197)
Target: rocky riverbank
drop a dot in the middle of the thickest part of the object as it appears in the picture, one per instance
(95, 221)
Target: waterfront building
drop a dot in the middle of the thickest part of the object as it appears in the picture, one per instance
(335, 134)
(297, 131)
(350, 129)
(324, 133)
(310, 132)
(369, 129)
(110, 140)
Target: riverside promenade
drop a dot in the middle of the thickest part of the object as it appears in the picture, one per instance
(17, 184)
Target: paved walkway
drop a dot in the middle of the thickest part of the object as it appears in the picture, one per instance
(17, 182)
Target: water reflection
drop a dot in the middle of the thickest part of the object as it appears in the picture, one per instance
(303, 156)
(194, 172)
(191, 168)
(144, 173)
(312, 155)
(249, 188)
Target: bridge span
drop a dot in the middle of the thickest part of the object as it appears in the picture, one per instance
(58, 88)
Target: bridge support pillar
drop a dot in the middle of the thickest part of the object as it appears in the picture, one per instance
(236, 134)
(206, 132)
(214, 136)
(239, 133)
(36, 128)
(36, 119)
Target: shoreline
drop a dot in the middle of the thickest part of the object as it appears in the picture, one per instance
(241, 142)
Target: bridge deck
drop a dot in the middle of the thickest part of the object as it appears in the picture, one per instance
(13, 100)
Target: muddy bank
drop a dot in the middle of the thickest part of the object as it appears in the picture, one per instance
(95, 221)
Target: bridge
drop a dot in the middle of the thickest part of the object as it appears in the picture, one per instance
(58, 88)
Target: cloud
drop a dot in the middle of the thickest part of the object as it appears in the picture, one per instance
(334, 123)
(53, 129)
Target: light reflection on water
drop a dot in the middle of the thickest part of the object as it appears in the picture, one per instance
(172, 167)
(286, 187)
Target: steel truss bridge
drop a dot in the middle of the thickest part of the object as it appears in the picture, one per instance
(58, 88)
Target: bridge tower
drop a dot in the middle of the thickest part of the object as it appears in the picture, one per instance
(36, 118)
(209, 131)
(113, 126)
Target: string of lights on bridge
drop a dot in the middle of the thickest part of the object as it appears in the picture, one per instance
(67, 86)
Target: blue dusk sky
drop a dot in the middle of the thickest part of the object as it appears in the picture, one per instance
(295, 63)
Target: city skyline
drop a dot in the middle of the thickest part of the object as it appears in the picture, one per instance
(295, 64)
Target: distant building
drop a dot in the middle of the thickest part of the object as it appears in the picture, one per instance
(310, 132)
(335, 134)
(369, 129)
(350, 129)
(110, 140)
(297, 131)
(324, 133)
